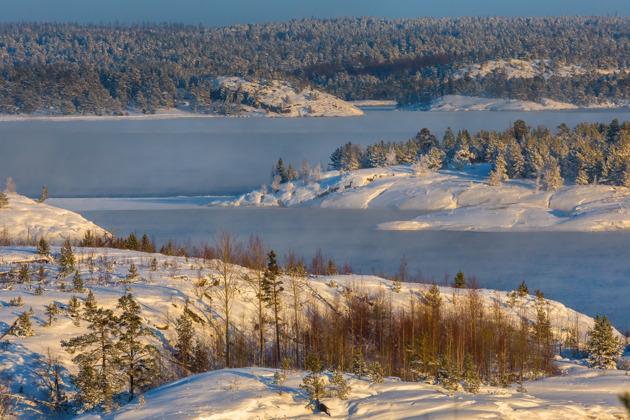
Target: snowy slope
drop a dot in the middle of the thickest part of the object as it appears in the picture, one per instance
(580, 393)
(25, 219)
(525, 69)
(279, 98)
(457, 200)
(249, 393)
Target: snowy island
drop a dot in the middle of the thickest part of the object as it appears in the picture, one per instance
(456, 200)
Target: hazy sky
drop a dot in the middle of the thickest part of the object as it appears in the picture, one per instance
(228, 12)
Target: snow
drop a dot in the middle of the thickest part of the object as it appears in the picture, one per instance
(280, 99)
(25, 219)
(450, 103)
(525, 69)
(249, 392)
(457, 200)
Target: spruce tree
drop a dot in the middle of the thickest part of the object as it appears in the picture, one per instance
(133, 272)
(313, 383)
(460, 281)
(66, 259)
(73, 307)
(89, 306)
(77, 282)
(470, 375)
(145, 244)
(603, 347)
(359, 367)
(582, 177)
(339, 386)
(376, 373)
(24, 276)
(185, 340)
(43, 248)
(136, 359)
(281, 171)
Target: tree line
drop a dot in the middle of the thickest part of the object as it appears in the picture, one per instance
(106, 69)
(596, 153)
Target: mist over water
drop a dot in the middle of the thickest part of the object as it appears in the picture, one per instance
(210, 156)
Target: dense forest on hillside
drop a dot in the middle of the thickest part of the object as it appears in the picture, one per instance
(68, 68)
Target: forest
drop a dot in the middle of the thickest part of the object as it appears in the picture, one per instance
(59, 69)
(586, 154)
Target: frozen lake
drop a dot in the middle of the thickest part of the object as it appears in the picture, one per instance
(209, 156)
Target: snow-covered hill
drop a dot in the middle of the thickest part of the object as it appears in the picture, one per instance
(24, 219)
(280, 99)
(457, 200)
(163, 289)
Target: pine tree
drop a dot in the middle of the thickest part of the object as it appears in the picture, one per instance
(23, 327)
(460, 281)
(499, 172)
(200, 357)
(24, 276)
(551, 175)
(43, 248)
(39, 291)
(603, 347)
(331, 269)
(272, 287)
(462, 157)
(376, 373)
(66, 259)
(292, 175)
(281, 171)
(435, 159)
(313, 383)
(77, 282)
(51, 311)
(133, 272)
(359, 367)
(132, 242)
(339, 386)
(73, 307)
(145, 244)
(98, 380)
(136, 359)
(185, 340)
(582, 177)
(44, 196)
(470, 376)
(89, 307)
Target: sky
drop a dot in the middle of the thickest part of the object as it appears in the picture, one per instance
(229, 12)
